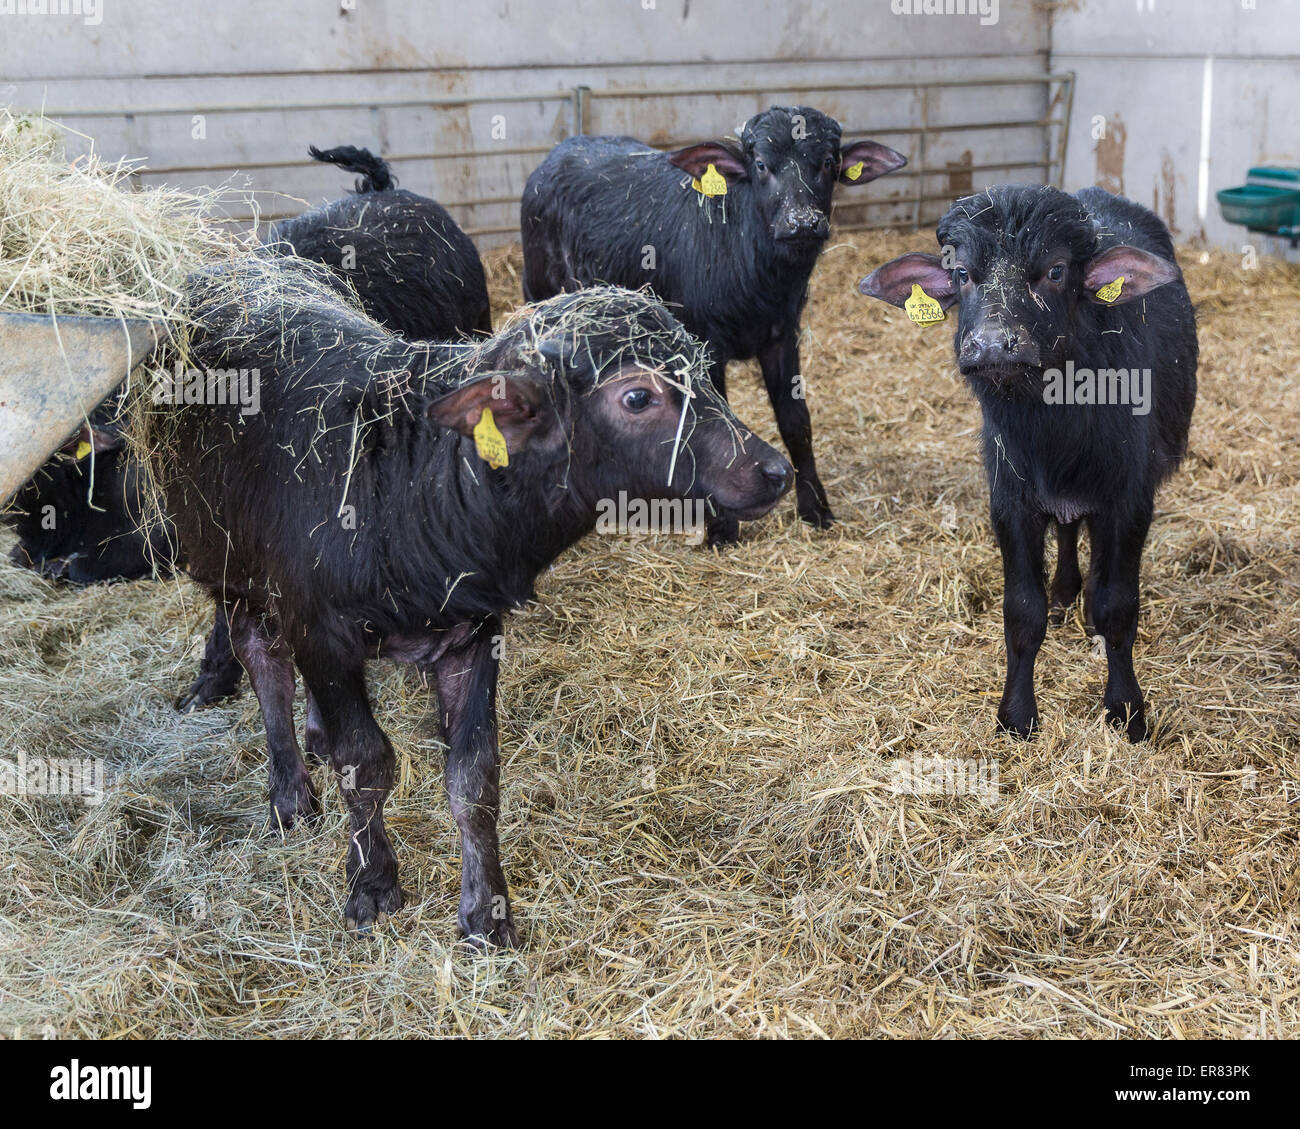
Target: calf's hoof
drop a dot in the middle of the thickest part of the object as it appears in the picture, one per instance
(1061, 606)
(484, 931)
(820, 518)
(207, 690)
(1130, 719)
(293, 802)
(723, 532)
(369, 903)
(1023, 727)
(810, 500)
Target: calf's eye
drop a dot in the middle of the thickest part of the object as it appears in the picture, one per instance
(637, 399)
(961, 276)
(1057, 273)
(759, 165)
(828, 164)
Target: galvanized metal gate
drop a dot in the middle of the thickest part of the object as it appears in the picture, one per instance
(584, 115)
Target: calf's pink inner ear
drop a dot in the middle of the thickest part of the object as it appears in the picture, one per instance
(893, 281)
(519, 406)
(868, 160)
(93, 440)
(1141, 271)
(696, 159)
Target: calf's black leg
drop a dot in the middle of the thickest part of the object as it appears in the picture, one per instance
(314, 738)
(1067, 582)
(1117, 541)
(779, 361)
(270, 671)
(721, 530)
(466, 679)
(1024, 614)
(219, 672)
(363, 758)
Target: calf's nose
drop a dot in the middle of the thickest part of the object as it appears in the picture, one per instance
(777, 472)
(807, 223)
(993, 347)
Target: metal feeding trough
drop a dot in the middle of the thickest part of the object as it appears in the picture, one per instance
(1268, 202)
(53, 374)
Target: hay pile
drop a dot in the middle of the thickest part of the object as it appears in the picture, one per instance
(75, 238)
(699, 820)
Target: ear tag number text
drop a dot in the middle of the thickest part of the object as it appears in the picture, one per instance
(923, 309)
(712, 183)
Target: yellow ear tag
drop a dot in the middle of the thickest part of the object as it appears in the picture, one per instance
(854, 171)
(712, 183)
(1110, 291)
(923, 309)
(83, 449)
(489, 441)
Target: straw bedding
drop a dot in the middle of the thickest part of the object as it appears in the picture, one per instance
(699, 813)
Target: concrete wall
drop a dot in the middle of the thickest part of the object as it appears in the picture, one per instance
(1193, 93)
(160, 53)
(1143, 67)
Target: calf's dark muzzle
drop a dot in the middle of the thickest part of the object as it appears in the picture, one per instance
(802, 225)
(751, 482)
(992, 342)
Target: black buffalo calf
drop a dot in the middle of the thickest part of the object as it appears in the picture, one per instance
(412, 269)
(392, 499)
(1077, 335)
(725, 233)
(80, 518)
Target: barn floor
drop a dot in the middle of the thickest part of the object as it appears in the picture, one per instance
(699, 820)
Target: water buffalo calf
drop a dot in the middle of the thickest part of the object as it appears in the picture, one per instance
(733, 266)
(1076, 333)
(412, 269)
(81, 518)
(359, 514)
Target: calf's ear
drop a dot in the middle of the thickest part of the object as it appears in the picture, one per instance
(892, 282)
(865, 160)
(1141, 271)
(696, 159)
(88, 439)
(520, 406)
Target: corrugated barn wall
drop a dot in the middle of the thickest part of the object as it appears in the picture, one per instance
(1186, 95)
(465, 98)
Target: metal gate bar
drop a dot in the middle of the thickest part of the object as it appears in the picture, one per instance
(582, 99)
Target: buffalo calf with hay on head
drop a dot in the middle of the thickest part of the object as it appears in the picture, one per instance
(392, 499)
